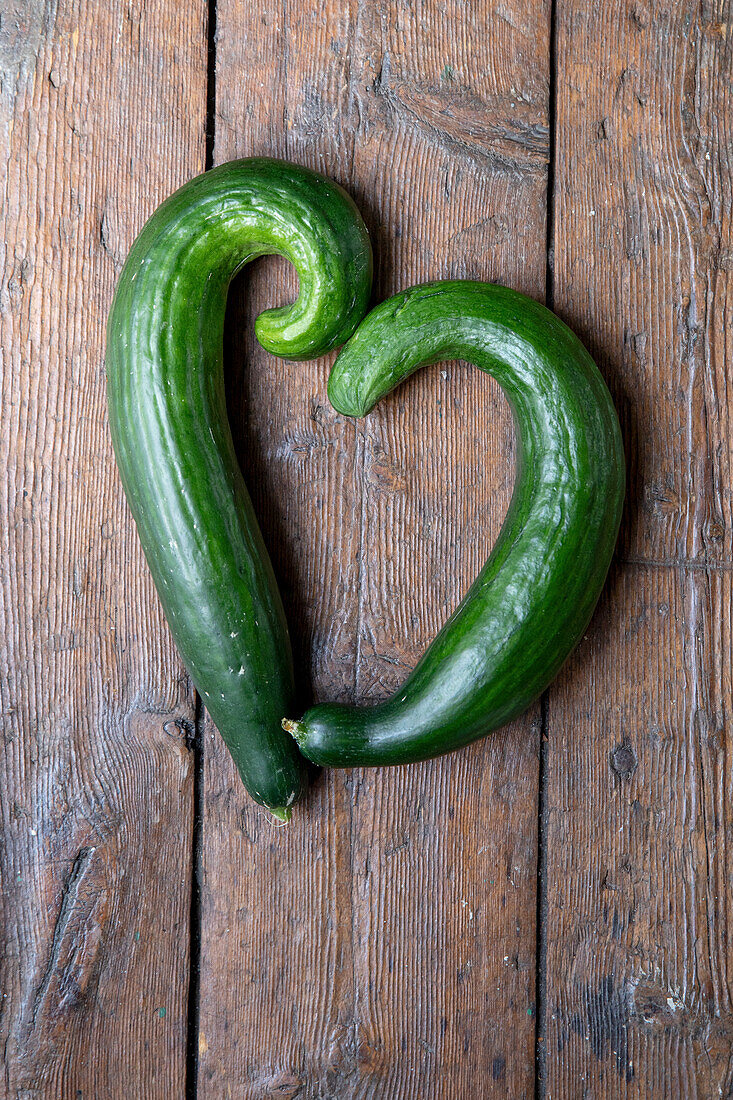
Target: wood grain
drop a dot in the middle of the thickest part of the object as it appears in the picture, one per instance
(642, 253)
(371, 947)
(638, 811)
(639, 886)
(96, 807)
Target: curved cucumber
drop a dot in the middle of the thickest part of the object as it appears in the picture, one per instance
(171, 435)
(533, 599)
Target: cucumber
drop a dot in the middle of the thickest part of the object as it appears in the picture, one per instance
(533, 599)
(173, 444)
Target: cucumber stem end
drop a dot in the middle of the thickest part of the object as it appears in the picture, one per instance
(295, 729)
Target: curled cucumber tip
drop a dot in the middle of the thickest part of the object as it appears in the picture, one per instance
(282, 813)
(295, 729)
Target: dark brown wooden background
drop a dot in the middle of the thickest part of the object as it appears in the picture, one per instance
(545, 914)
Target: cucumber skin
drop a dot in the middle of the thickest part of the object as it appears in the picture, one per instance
(172, 440)
(532, 601)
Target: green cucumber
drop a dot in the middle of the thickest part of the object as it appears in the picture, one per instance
(533, 599)
(172, 440)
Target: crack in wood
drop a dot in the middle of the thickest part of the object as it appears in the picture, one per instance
(69, 897)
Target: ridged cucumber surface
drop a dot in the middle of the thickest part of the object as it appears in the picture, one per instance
(533, 599)
(172, 437)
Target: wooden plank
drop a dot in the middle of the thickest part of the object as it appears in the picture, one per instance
(276, 982)
(372, 946)
(452, 147)
(642, 253)
(639, 873)
(639, 870)
(96, 767)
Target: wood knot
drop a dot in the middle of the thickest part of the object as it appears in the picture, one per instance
(623, 760)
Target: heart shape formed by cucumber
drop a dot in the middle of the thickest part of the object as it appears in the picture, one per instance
(532, 601)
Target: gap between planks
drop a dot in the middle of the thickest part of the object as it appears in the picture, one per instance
(194, 990)
(541, 920)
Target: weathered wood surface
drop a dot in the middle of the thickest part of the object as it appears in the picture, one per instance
(383, 944)
(638, 801)
(102, 111)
